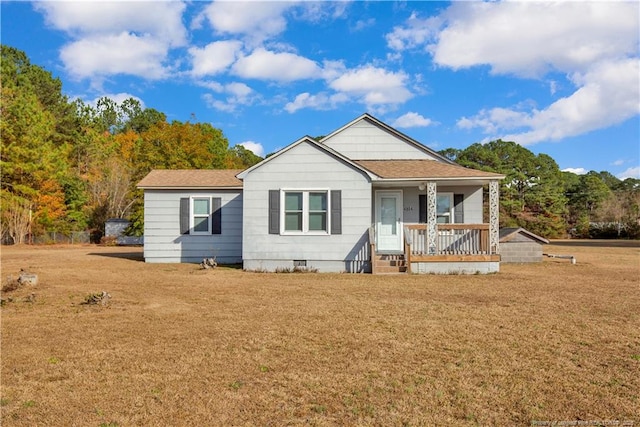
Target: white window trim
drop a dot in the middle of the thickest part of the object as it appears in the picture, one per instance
(305, 212)
(192, 215)
(450, 214)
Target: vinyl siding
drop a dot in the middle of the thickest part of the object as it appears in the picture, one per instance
(306, 167)
(163, 241)
(366, 141)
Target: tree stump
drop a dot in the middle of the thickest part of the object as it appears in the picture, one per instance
(28, 279)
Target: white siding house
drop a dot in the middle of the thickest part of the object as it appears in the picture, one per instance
(302, 170)
(192, 215)
(365, 198)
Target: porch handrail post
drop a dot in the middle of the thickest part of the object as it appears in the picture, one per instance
(494, 212)
(408, 241)
(372, 247)
(432, 226)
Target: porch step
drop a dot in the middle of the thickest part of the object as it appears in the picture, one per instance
(390, 263)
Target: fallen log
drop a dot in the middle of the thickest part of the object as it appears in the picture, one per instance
(571, 257)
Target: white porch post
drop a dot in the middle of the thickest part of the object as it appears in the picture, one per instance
(494, 224)
(432, 226)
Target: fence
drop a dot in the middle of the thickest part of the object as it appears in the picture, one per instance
(75, 237)
(54, 237)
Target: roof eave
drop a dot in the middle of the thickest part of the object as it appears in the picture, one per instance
(513, 234)
(432, 178)
(188, 187)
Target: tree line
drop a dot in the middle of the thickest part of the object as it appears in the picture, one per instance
(538, 196)
(68, 166)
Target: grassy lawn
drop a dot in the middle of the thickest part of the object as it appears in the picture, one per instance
(178, 345)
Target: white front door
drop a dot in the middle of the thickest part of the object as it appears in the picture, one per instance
(388, 221)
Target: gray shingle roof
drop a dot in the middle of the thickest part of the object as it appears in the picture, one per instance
(191, 178)
(421, 169)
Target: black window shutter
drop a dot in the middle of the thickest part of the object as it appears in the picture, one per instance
(216, 215)
(184, 215)
(274, 211)
(458, 208)
(422, 208)
(336, 212)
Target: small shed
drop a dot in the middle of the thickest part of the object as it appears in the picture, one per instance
(520, 245)
(114, 227)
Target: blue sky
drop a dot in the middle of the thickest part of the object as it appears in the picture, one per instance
(558, 78)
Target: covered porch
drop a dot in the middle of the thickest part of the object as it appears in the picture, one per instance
(445, 236)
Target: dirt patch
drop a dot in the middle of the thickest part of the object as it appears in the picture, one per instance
(178, 345)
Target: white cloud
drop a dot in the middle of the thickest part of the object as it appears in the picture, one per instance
(282, 67)
(577, 171)
(117, 37)
(124, 53)
(215, 57)
(217, 104)
(256, 20)
(239, 90)
(630, 173)
(411, 120)
(362, 24)
(214, 86)
(331, 70)
(375, 87)
(608, 95)
(416, 33)
(255, 147)
(529, 38)
(494, 119)
(234, 95)
(595, 44)
(618, 162)
(320, 101)
(161, 19)
(118, 98)
(317, 11)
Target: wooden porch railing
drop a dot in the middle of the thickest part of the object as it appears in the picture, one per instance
(459, 241)
(454, 243)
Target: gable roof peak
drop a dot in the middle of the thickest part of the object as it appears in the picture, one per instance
(387, 128)
(309, 140)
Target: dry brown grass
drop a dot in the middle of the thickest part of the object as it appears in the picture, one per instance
(182, 346)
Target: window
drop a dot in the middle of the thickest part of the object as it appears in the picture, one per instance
(449, 208)
(301, 212)
(444, 206)
(200, 215)
(318, 211)
(306, 211)
(201, 209)
(293, 211)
